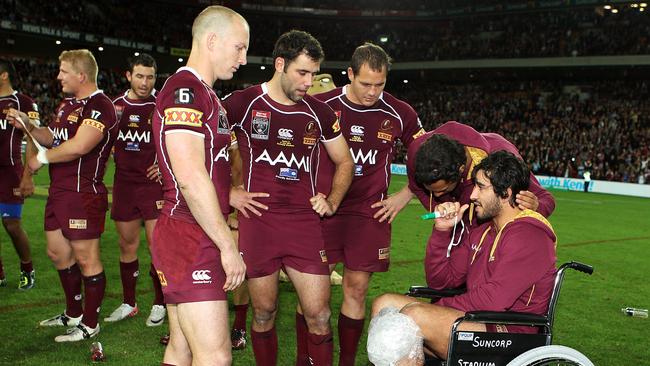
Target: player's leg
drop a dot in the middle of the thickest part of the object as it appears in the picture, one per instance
(59, 250)
(13, 226)
(264, 300)
(314, 294)
(205, 326)
(240, 298)
(158, 309)
(178, 350)
(86, 254)
(129, 241)
(352, 315)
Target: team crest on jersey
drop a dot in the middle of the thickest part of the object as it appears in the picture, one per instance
(336, 126)
(385, 132)
(261, 123)
(224, 127)
(384, 253)
(78, 224)
(323, 256)
(310, 134)
(73, 117)
(119, 110)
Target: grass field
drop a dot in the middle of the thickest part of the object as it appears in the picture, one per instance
(612, 233)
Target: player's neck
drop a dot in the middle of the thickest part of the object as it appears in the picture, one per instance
(85, 91)
(202, 68)
(276, 93)
(507, 214)
(6, 90)
(351, 97)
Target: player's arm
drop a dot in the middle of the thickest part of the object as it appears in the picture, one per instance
(339, 153)
(187, 157)
(536, 198)
(392, 205)
(21, 121)
(27, 181)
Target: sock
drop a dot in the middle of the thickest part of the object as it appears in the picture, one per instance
(349, 334)
(94, 287)
(26, 267)
(240, 316)
(2, 270)
(129, 275)
(265, 347)
(321, 349)
(71, 283)
(302, 332)
(158, 299)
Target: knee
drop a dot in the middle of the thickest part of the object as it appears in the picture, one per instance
(413, 311)
(356, 291)
(381, 302)
(129, 246)
(12, 226)
(54, 255)
(221, 358)
(318, 317)
(264, 313)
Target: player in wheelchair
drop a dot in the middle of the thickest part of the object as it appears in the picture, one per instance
(506, 264)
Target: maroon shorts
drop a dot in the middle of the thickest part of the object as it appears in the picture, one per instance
(133, 201)
(361, 243)
(79, 215)
(275, 240)
(9, 184)
(187, 261)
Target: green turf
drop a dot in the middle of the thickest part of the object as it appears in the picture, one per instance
(610, 232)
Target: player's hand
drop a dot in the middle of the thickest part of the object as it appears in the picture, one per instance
(321, 205)
(527, 200)
(391, 206)
(153, 173)
(232, 222)
(244, 201)
(26, 184)
(33, 164)
(451, 213)
(18, 119)
(234, 267)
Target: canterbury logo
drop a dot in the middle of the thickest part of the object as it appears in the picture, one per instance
(356, 130)
(201, 275)
(286, 133)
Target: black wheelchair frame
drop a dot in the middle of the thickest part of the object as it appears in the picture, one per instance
(497, 349)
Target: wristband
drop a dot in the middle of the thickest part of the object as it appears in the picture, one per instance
(42, 157)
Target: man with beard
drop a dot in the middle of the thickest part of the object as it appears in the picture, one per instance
(507, 263)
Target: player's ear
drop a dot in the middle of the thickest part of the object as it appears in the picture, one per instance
(350, 74)
(128, 76)
(279, 64)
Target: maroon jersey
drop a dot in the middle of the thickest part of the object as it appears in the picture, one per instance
(279, 145)
(479, 146)
(508, 270)
(10, 137)
(372, 134)
(134, 148)
(186, 104)
(85, 174)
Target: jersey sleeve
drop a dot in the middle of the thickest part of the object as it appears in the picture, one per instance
(330, 123)
(99, 113)
(233, 106)
(29, 107)
(184, 108)
(412, 126)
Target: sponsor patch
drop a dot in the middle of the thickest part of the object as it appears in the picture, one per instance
(323, 256)
(132, 146)
(201, 276)
(17, 192)
(94, 123)
(224, 127)
(384, 253)
(119, 110)
(134, 118)
(260, 125)
(184, 96)
(465, 336)
(356, 139)
(33, 115)
(159, 204)
(420, 132)
(358, 170)
(183, 116)
(72, 118)
(161, 277)
(288, 174)
(79, 224)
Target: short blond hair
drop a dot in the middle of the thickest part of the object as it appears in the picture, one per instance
(82, 61)
(214, 18)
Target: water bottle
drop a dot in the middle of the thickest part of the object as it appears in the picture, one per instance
(637, 313)
(97, 352)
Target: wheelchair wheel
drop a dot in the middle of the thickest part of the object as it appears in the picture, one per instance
(551, 355)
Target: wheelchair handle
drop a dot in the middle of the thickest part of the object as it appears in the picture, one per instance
(585, 268)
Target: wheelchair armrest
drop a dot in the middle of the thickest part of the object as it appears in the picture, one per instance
(429, 293)
(506, 317)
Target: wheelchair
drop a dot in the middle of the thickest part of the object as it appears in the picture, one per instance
(507, 349)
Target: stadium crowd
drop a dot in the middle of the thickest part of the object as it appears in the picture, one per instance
(551, 33)
(603, 126)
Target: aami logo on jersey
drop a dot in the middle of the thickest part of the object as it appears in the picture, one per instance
(3, 124)
(223, 154)
(260, 125)
(288, 174)
(135, 136)
(385, 130)
(292, 161)
(60, 134)
(368, 157)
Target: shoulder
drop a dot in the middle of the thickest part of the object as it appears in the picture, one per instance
(24, 99)
(245, 95)
(329, 95)
(320, 108)
(401, 107)
(100, 101)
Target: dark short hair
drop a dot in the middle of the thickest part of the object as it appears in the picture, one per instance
(143, 59)
(371, 54)
(504, 170)
(8, 67)
(293, 43)
(439, 158)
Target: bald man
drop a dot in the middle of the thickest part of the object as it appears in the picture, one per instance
(193, 250)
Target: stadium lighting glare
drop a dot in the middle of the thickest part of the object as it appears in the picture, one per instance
(136, 54)
(344, 72)
(100, 48)
(383, 39)
(406, 81)
(180, 59)
(57, 42)
(262, 67)
(643, 5)
(634, 5)
(614, 11)
(641, 9)
(607, 7)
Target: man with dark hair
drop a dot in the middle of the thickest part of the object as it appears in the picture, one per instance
(372, 121)
(81, 138)
(440, 163)
(137, 193)
(278, 128)
(16, 183)
(507, 263)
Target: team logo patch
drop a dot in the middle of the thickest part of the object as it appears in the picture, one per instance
(183, 116)
(161, 277)
(78, 224)
(119, 110)
(358, 170)
(420, 132)
(285, 137)
(159, 204)
(323, 256)
(94, 123)
(261, 123)
(384, 253)
(184, 96)
(336, 126)
(357, 133)
(201, 276)
(385, 132)
(224, 127)
(310, 134)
